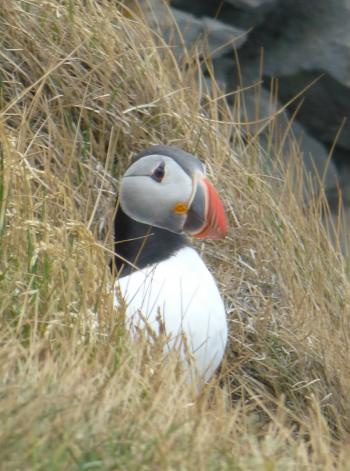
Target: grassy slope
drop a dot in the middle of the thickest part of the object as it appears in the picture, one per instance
(82, 83)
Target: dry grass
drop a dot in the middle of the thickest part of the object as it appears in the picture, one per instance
(82, 87)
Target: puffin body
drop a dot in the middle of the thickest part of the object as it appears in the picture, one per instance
(163, 195)
(182, 290)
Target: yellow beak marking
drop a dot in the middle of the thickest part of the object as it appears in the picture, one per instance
(181, 208)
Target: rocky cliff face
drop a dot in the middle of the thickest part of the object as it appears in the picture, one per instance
(303, 43)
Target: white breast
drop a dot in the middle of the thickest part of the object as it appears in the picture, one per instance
(184, 293)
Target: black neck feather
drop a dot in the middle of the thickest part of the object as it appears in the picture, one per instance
(142, 245)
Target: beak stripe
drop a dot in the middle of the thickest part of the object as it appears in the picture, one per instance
(215, 226)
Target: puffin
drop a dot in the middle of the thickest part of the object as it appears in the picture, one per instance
(165, 198)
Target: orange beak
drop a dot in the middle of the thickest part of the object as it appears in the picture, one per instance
(206, 216)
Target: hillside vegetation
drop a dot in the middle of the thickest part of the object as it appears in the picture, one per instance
(83, 86)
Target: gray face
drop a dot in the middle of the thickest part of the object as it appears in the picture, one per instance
(154, 186)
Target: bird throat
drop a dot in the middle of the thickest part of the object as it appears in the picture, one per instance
(138, 245)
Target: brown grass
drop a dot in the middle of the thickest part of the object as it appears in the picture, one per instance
(84, 86)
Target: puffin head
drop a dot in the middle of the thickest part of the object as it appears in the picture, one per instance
(167, 187)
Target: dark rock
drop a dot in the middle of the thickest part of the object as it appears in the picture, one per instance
(303, 42)
(211, 37)
(324, 105)
(248, 4)
(312, 35)
(240, 13)
(221, 37)
(287, 141)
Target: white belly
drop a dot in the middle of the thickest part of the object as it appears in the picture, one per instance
(185, 294)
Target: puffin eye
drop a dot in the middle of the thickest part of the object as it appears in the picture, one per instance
(159, 172)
